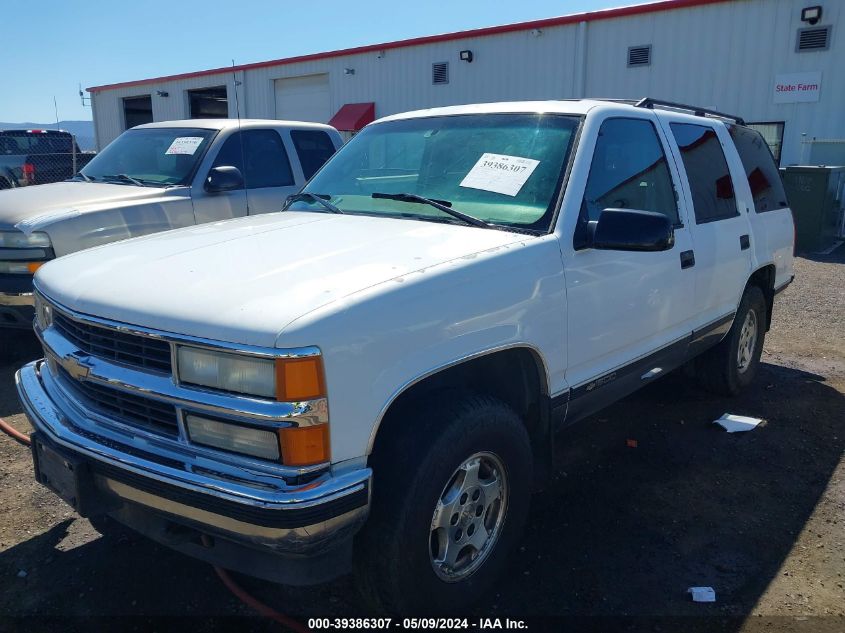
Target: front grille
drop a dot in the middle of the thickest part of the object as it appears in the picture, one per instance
(102, 342)
(126, 407)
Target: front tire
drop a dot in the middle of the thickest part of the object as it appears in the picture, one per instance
(450, 499)
(731, 366)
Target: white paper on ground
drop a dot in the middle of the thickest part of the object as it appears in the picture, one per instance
(737, 423)
(38, 222)
(184, 145)
(500, 173)
(702, 594)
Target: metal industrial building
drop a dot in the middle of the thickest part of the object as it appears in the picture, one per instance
(778, 63)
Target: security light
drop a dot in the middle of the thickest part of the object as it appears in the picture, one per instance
(811, 14)
(348, 71)
(466, 56)
(162, 93)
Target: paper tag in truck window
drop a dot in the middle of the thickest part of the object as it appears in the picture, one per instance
(184, 145)
(500, 173)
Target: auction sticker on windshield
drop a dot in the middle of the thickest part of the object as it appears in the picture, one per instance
(500, 173)
(184, 145)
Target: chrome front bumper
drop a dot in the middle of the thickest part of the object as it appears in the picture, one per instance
(291, 519)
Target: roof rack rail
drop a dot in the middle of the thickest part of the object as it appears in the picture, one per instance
(651, 103)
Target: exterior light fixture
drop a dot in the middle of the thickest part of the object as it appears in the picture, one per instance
(811, 14)
(536, 32)
(348, 71)
(162, 93)
(466, 56)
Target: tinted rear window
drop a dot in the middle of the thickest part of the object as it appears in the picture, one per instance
(763, 175)
(313, 148)
(707, 170)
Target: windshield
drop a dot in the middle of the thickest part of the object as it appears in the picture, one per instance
(505, 169)
(152, 156)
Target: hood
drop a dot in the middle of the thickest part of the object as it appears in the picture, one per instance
(244, 280)
(25, 203)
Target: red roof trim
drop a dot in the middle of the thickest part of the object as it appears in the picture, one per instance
(588, 16)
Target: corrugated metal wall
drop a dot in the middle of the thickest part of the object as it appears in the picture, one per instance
(724, 56)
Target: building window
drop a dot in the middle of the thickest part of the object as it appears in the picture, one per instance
(209, 103)
(440, 73)
(772, 133)
(137, 110)
(639, 56)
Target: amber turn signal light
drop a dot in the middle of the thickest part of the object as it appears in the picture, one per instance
(305, 445)
(299, 379)
(33, 266)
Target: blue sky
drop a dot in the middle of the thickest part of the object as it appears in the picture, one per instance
(92, 42)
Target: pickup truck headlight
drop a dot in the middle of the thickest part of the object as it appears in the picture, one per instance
(19, 239)
(19, 268)
(284, 379)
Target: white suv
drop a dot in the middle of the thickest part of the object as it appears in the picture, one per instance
(374, 378)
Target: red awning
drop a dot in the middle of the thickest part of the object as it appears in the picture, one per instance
(353, 116)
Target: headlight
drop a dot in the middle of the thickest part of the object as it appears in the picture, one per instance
(284, 379)
(20, 268)
(19, 239)
(43, 313)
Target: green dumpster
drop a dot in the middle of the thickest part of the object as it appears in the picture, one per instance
(815, 195)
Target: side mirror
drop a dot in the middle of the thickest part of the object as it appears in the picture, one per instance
(224, 178)
(633, 230)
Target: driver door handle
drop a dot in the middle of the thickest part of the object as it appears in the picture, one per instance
(687, 259)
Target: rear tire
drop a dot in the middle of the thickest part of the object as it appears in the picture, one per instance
(731, 366)
(450, 499)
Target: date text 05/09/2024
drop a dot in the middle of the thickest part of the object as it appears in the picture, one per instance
(431, 624)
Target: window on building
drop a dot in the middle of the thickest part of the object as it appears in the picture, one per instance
(763, 176)
(267, 163)
(773, 135)
(629, 171)
(313, 148)
(707, 171)
(209, 103)
(137, 110)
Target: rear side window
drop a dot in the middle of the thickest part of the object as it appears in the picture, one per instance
(707, 170)
(262, 158)
(629, 171)
(313, 148)
(763, 175)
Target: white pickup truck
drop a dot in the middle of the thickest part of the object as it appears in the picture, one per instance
(373, 380)
(152, 178)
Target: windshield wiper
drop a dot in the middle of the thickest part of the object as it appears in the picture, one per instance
(125, 178)
(443, 205)
(304, 196)
(79, 174)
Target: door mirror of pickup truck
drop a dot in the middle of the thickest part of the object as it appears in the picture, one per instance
(632, 230)
(224, 178)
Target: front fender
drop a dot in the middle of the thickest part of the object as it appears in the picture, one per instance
(382, 340)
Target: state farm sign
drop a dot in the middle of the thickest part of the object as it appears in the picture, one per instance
(797, 87)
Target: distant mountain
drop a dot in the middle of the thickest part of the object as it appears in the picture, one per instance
(82, 130)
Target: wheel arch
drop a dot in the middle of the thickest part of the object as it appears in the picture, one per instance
(764, 278)
(516, 374)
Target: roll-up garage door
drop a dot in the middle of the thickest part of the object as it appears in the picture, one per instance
(303, 98)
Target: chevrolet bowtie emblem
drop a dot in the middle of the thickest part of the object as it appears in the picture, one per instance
(75, 365)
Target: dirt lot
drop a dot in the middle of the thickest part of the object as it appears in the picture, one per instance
(612, 544)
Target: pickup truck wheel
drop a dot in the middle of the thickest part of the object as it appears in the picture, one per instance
(449, 504)
(731, 365)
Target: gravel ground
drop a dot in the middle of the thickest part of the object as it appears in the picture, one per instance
(613, 544)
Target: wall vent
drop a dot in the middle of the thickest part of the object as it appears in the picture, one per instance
(440, 73)
(639, 55)
(815, 38)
